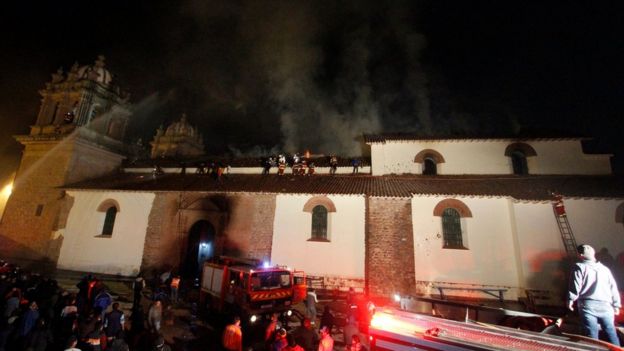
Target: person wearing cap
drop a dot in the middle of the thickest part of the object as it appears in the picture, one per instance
(595, 291)
(326, 343)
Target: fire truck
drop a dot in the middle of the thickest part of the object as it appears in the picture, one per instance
(394, 330)
(249, 288)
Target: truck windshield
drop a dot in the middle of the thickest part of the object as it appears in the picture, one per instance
(270, 280)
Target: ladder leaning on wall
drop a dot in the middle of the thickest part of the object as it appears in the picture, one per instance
(564, 225)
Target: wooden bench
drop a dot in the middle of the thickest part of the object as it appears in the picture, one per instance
(496, 292)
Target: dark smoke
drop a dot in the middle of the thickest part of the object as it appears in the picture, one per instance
(299, 75)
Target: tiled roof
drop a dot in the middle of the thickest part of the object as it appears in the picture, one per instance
(383, 138)
(518, 187)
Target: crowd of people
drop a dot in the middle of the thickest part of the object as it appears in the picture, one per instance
(313, 333)
(303, 338)
(38, 315)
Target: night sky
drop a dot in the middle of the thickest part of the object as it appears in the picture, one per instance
(258, 77)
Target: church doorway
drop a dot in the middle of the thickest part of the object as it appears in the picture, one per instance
(200, 248)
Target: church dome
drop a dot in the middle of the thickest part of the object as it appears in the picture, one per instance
(96, 72)
(181, 127)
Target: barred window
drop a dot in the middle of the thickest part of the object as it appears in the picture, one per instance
(319, 223)
(109, 221)
(451, 229)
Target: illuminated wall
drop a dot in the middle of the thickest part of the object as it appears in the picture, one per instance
(342, 256)
(487, 157)
(489, 259)
(593, 222)
(85, 249)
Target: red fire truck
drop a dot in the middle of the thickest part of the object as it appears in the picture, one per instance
(250, 288)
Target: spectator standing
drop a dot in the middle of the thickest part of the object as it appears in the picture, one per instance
(333, 164)
(233, 336)
(292, 344)
(102, 301)
(29, 319)
(311, 302)
(356, 165)
(356, 344)
(175, 286)
(326, 343)
(306, 335)
(154, 316)
(137, 286)
(160, 345)
(279, 341)
(327, 319)
(594, 289)
(72, 343)
(114, 322)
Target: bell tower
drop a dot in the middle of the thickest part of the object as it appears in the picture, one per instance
(78, 134)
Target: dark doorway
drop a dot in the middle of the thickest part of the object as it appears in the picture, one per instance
(201, 247)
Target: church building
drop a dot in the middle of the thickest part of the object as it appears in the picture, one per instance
(468, 214)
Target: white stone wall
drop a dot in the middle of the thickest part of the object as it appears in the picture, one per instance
(84, 249)
(592, 221)
(515, 244)
(489, 260)
(342, 256)
(487, 157)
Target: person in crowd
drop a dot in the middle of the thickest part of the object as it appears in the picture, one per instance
(292, 344)
(270, 331)
(350, 329)
(29, 319)
(333, 164)
(160, 345)
(306, 335)
(40, 338)
(356, 165)
(356, 344)
(175, 286)
(233, 336)
(279, 340)
(326, 343)
(593, 288)
(327, 319)
(114, 322)
(310, 303)
(154, 316)
(72, 343)
(137, 287)
(102, 300)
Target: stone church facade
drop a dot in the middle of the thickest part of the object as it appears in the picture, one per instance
(427, 212)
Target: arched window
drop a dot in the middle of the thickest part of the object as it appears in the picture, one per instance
(451, 229)
(429, 159)
(518, 152)
(519, 163)
(319, 208)
(429, 166)
(109, 221)
(319, 223)
(453, 213)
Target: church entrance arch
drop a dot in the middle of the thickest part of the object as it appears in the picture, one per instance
(201, 247)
